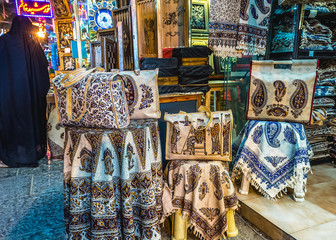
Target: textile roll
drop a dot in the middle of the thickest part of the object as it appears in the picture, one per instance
(282, 90)
(194, 80)
(142, 93)
(55, 134)
(199, 135)
(196, 71)
(169, 72)
(194, 61)
(272, 155)
(86, 99)
(203, 192)
(113, 182)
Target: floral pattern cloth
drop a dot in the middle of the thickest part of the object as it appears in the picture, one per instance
(203, 191)
(223, 26)
(273, 155)
(113, 182)
(253, 26)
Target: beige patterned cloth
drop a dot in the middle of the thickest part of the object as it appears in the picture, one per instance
(55, 133)
(203, 191)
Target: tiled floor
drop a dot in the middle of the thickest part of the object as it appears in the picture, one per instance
(315, 218)
(31, 205)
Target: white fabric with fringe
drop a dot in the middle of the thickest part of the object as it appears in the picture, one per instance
(273, 156)
(203, 191)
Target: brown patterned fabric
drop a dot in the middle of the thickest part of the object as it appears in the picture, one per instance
(203, 191)
(113, 182)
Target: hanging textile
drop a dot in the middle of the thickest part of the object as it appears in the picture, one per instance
(203, 192)
(273, 156)
(253, 26)
(113, 182)
(223, 25)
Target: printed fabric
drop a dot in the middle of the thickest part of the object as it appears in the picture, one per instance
(203, 192)
(273, 155)
(113, 182)
(253, 26)
(223, 27)
(282, 90)
(55, 134)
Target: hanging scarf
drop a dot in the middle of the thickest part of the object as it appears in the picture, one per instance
(253, 26)
(223, 25)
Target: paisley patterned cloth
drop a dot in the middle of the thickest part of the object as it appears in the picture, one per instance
(203, 191)
(253, 26)
(282, 90)
(223, 27)
(55, 133)
(113, 182)
(273, 155)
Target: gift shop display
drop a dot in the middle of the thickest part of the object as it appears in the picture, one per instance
(282, 90)
(199, 136)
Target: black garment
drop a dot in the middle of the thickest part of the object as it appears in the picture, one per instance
(194, 80)
(153, 63)
(24, 83)
(196, 70)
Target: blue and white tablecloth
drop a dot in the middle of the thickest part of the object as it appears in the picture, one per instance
(273, 155)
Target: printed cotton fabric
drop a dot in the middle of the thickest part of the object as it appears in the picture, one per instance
(253, 26)
(223, 27)
(203, 191)
(113, 182)
(55, 136)
(273, 155)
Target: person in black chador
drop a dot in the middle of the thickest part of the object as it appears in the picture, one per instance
(24, 83)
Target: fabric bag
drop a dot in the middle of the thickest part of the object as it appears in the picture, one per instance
(85, 99)
(282, 90)
(142, 93)
(204, 135)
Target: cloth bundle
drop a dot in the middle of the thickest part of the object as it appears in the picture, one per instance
(316, 36)
(195, 74)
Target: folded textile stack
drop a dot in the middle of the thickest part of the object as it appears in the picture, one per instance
(322, 7)
(322, 133)
(283, 39)
(316, 36)
(194, 67)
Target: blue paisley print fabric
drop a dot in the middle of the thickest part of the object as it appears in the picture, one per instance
(273, 155)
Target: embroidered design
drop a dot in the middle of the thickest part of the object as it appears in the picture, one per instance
(299, 129)
(191, 140)
(280, 90)
(109, 167)
(258, 131)
(177, 178)
(193, 175)
(261, 6)
(139, 136)
(214, 132)
(215, 178)
(272, 131)
(259, 97)
(254, 12)
(210, 213)
(277, 110)
(275, 160)
(86, 159)
(243, 9)
(203, 190)
(175, 137)
(298, 100)
(154, 130)
(131, 93)
(147, 96)
(290, 135)
(129, 154)
(117, 138)
(226, 137)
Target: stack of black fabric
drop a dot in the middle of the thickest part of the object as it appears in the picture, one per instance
(168, 67)
(193, 65)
